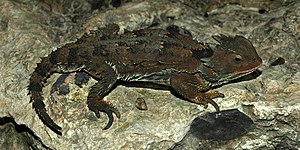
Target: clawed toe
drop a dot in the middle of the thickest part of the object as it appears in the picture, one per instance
(212, 102)
(221, 95)
(209, 96)
(110, 117)
(106, 107)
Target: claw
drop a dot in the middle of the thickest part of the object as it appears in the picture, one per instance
(211, 95)
(110, 120)
(104, 106)
(214, 104)
(116, 112)
(110, 117)
(222, 95)
(97, 114)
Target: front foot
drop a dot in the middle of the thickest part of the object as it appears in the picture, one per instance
(214, 94)
(104, 106)
(207, 98)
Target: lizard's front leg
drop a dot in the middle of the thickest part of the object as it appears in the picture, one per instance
(106, 79)
(191, 87)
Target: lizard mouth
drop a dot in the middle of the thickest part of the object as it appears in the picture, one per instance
(235, 76)
(243, 73)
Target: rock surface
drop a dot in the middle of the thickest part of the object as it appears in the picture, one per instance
(33, 29)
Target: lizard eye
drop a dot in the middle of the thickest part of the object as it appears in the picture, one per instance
(237, 58)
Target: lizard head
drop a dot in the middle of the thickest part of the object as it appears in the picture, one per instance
(232, 58)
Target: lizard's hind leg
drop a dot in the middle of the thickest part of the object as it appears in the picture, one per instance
(106, 79)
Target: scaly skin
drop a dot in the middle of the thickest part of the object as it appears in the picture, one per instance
(167, 57)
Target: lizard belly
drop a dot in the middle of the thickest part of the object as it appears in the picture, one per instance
(156, 78)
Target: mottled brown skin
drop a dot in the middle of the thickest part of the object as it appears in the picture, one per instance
(166, 57)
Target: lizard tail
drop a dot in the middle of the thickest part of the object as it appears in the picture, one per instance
(38, 77)
(66, 59)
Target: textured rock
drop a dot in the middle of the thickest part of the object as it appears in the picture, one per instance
(14, 136)
(33, 29)
(15, 140)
